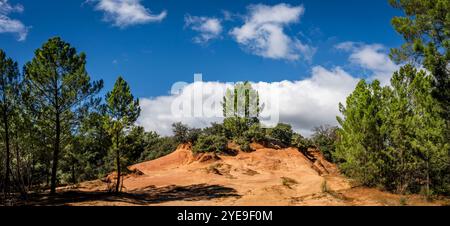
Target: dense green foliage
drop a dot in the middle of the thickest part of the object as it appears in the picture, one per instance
(394, 136)
(282, 133)
(60, 91)
(360, 139)
(156, 146)
(56, 130)
(9, 98)
(184, 134)
(425, 28)
(398, 137)
(210, 143)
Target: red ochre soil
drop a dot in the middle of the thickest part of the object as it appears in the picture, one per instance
(264, 177)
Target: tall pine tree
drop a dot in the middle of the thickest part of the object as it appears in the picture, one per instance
(425, 27)
(60, 87)
(9, 97)
(414, 132)
(123, 111)
(360, 143)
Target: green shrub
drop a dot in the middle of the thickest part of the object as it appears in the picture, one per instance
(180, 132)
(243, 131)
(235, 127)
(210, 143)
(300, 142)
(215, 129)
(281, 133)
(184, 134)
(243, 143)
(158, 147)
(255, 133)
(193, 135)
(324, 138)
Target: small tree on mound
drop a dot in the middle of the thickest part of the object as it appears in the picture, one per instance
(241, 101)
(241, 111)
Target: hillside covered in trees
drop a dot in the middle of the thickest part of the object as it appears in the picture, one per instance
(57, 131)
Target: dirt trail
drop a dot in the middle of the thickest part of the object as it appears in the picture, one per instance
(263, 177)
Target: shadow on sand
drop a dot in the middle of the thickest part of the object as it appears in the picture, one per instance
(147, 196)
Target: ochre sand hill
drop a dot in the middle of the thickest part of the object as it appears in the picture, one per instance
(264, 177)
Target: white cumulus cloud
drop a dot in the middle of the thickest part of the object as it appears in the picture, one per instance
(124, 13)
(304, 104)
(263, 33)
(208, 27)
(372, 58)
(9, 25)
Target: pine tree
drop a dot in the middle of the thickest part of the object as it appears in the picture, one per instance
(241, 101)
(9, 96)
(426, 30)
(95, 143)
(358, 149)
(398, 127)
(123, 111)
(414, 130)
(60, 88)
(393, 136)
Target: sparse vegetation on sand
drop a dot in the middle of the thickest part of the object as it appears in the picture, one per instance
(288, 182)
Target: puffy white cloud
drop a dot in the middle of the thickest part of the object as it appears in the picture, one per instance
(208, 27)
(8, 25)
(263, 32)
(158, 114)
(303, 104)
(371, 57)
(124, 13)
(313, 101)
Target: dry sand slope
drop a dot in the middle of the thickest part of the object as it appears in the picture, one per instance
(263, 177)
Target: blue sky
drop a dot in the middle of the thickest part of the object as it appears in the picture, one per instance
(154, 52)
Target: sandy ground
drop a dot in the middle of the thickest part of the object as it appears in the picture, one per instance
(265, 177)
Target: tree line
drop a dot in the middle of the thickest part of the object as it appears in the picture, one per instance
(57, 130)
(398, 136)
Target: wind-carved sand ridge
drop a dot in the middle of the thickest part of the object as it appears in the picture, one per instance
(263, 177)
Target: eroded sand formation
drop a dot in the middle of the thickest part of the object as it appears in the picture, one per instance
(265, 177)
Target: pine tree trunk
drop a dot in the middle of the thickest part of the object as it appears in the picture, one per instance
(428, 179)
(7, 157)
(117, 162)
(20, 182)
(55, 154)
(74, 180)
